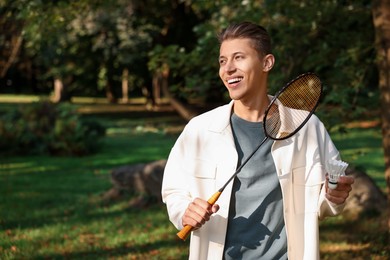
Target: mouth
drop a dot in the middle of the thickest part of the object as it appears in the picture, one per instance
(234, 80)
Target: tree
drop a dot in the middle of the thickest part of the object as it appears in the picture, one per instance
(120, 37)
(313, 42)
(12, 38)
(81, 44)
(168, 61)
(11, 51)
(381, 18)
(78, 44)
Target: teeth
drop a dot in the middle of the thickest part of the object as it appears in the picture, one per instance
(235, 80)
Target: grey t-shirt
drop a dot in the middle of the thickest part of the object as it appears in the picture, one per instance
(256, 227)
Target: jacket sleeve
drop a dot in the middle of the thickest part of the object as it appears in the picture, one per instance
(327, 208)
(175, 191)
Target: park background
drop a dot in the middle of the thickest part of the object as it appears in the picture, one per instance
(89, 86)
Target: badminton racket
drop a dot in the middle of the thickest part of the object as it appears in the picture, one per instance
(287, 113)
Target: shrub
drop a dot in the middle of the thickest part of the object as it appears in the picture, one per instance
(47, 128)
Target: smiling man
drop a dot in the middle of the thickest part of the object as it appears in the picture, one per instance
(271, 209)
(244, 72)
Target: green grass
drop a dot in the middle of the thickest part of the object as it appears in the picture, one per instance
(52, 208)
(362, 147)
(365, 238)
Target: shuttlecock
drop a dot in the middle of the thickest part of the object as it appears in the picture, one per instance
(335, 170)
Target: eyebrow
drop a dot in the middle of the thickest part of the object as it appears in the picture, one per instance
(234, 54)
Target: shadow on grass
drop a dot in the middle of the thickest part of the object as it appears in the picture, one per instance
(48, 202)
(364, 238)
(77, 238)
(146, 251)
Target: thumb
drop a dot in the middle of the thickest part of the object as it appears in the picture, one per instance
(215, 208)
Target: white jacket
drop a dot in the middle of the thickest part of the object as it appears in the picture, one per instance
(204, 157)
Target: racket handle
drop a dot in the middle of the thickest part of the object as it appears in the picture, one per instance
(184, 233)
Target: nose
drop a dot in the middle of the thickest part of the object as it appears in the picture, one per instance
(229, 67)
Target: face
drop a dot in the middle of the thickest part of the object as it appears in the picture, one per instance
(242, 70)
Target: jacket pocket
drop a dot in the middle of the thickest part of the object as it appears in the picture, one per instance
(203, 174)
(202, 169)
(306, 188)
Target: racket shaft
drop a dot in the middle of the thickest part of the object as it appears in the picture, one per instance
(184, 233)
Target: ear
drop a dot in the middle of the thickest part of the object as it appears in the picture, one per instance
(268, 62)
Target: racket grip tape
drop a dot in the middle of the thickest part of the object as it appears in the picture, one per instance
(184, 233)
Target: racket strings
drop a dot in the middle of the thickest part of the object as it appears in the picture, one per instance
(301, 96)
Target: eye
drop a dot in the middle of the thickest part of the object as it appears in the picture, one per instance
(222, 61)
(239, 57)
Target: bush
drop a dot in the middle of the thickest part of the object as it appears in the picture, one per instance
(47, 128)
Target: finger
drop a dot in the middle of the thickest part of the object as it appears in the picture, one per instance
(346, 180)
(197, 213)
(338, 192)
(345, 186)
(203, 213)
(192, 218)
(337, 195)
(334, 199)
(202, 204)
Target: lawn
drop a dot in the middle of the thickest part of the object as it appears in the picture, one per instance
(52, 207)
(366, 238)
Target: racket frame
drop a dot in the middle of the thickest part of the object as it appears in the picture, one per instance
(275, 98)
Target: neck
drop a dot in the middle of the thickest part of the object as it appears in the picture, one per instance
(251, 111)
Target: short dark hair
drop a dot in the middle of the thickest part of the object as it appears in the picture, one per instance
(257, 33)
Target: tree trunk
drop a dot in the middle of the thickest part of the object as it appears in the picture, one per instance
(381, 18)
(109, 93)
(183, 110)
(156, 88)
(109, 88)
(125, 85)
(16, 43)
(58, 90)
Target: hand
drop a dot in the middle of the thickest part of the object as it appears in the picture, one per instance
(341, 193)
(198, 212)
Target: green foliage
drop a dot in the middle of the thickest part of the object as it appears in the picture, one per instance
(46, 128)
(89, 43)
(317, 36)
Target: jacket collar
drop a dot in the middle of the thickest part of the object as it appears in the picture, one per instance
(223, 113)
(222, 118)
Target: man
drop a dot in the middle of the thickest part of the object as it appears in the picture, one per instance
(271, 209)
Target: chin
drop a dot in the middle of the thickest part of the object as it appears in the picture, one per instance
(235, 97)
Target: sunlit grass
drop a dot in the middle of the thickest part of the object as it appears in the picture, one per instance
(362, 147)
(52, 207)
(10, 98)
(366, 238)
